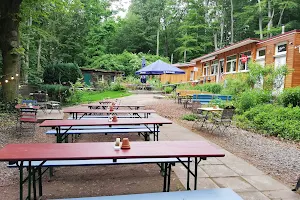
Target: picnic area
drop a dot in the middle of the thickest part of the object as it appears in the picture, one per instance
(135, 99)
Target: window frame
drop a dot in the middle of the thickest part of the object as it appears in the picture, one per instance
(249, 57)
(206, 68)
(213, 67)
(276, 48)
(231, 61)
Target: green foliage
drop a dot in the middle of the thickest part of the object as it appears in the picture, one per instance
(76, 93)
(56, 92)
(217, 102)
(189, 117)
(235, 86)
(168, 90)
(251, 98)
(90, 96)
(62, 72)
(290, 96)
(273, 120)
(214, 88)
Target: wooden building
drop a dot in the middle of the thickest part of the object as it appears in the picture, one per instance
(191, 74)
(91, 76)
(278, 50)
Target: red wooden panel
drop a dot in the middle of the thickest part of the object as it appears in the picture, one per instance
(105, 150)
(116, 106)
(99, 122)
(87, 110)
(18, 106)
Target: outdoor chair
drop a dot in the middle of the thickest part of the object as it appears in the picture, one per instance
(54, 105)
(201, 118)
(27, 116)
(224, 120)
(41, 98)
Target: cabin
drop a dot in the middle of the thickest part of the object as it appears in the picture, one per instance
(91, 76)
(278, 50)
(191, 74)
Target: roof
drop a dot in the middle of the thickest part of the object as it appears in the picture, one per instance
(100, 70)
(279, 36)
(227, 48)
(184, 64)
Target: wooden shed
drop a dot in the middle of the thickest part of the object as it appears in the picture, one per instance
(91, 76)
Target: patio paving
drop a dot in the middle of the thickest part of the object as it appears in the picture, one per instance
(230, 171)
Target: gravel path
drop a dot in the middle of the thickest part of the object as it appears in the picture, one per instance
(280, 159)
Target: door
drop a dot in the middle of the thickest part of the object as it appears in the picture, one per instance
(279, 80)
(87, 78)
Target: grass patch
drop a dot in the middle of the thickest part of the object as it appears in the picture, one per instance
(88, 96)
(189, 117)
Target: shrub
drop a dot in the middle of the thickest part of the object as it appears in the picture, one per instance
(117, 86)
(290, 96)
(61, 72)
(235, 86)
(252, 98)
(76, 94)
(168, 90)
(56, 92)
(189, 117)
(273, 120)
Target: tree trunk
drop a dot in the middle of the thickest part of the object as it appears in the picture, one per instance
(39, 55)
(231, 4)
(270, 17)
(222, 31)
(280, 18)
(184, 56)
(216, 41)
(157, 42)
(9, 44)
(260, 21)
(26, 64)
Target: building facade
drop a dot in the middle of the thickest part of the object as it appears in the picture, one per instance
(283, 49)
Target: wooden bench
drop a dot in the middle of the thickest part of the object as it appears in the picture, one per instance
(78, 130)
(37, 165)
(207, 98)
(104, 116)
(206, 194)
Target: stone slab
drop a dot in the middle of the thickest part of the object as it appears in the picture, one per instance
(202, 183)
(282, 194)
(253, 196)
(236, 183)
(265, 183)
(218, 171)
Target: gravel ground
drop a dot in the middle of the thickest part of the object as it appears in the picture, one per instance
(278, 158)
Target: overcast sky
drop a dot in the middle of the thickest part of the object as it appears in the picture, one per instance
(121, 4)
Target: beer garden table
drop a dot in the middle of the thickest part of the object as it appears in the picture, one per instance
(85, 111)
(117, 106)
(20, 153)
(62, 135)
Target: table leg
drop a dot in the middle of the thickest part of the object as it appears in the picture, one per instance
(169, 177)
(21, 180)
(188, 174)
(29, 179)
(165, 177)
(40, 181)
(34, 183)
(195, 173)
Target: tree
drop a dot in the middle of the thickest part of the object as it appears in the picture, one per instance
(10, 46)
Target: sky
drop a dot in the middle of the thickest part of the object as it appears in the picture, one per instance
(123, 4)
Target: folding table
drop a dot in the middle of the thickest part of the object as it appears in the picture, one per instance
(20, 153)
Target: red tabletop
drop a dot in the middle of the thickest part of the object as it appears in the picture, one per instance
(19, 106)
(122, 105)
(104, 122)
(87, 110)
(105, 150)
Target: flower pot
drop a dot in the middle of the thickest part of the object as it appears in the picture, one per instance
(115, 119)
(125, 144)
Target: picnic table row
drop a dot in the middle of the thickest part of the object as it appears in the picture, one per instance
(36, 157)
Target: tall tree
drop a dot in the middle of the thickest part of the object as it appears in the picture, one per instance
(10, 46)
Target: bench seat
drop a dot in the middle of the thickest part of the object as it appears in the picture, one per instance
(106, 127)
(103, 116)
(72, 163)
(206, 194)
(104, 131)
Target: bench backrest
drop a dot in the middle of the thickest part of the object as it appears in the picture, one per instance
(203, 96)
(28, 101)
(189, 92)
(223, 97)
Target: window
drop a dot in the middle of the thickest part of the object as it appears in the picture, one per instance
(261, 53)
(222, 66)
(244, 66)
(214, 67)
(205, 69)
(231, 64)
(281, 48)
(192, 75)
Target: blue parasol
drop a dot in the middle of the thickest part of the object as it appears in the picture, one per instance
(159, 67)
